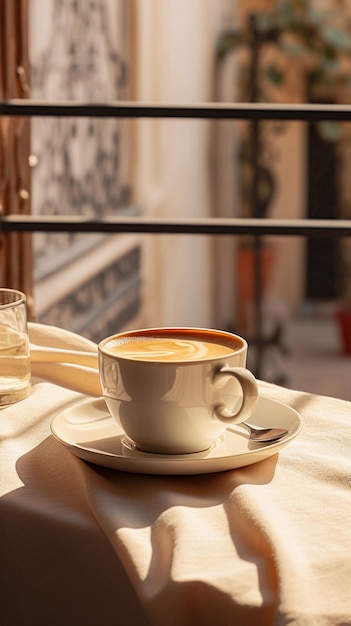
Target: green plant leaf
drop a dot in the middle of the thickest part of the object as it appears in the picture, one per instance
(264, 22)
(293, 48)
(284, 12)
(228, 42)
(292, 11)
(316, 17)
(330, 131)
(336, 38)
(274, 75)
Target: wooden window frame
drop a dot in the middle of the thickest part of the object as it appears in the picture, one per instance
(15, 248)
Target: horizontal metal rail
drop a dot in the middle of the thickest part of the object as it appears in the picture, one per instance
(172, 226)
(211, 110)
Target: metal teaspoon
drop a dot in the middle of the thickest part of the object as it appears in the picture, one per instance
(264, 435)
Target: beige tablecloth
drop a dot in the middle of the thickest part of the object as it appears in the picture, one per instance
(81, 544)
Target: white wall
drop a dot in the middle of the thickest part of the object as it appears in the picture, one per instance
(175, 64)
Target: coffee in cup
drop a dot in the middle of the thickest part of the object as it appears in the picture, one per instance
(175, 390)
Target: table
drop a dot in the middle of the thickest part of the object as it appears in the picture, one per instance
(267, 544)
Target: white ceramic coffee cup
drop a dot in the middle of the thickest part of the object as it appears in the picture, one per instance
(183, 404)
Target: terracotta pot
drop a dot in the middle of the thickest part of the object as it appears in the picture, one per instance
(344, 319)
(246, 283)
(246, 279)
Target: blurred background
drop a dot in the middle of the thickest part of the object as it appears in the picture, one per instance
(159, 51)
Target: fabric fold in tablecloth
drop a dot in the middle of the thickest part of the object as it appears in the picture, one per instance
(267, 544)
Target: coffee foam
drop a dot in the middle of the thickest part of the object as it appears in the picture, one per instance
(173, 347)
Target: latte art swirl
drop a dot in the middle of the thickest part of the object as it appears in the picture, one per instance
(168, 348)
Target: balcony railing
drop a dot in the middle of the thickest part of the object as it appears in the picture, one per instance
(210, 226)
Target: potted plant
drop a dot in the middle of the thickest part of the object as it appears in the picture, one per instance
(311, 44)
(295, 52)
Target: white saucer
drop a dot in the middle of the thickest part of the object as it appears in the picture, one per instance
(90, 433)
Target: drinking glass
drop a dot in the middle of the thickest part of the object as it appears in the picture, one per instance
(15, 375)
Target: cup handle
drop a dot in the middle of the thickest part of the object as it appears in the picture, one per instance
(249, 388)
